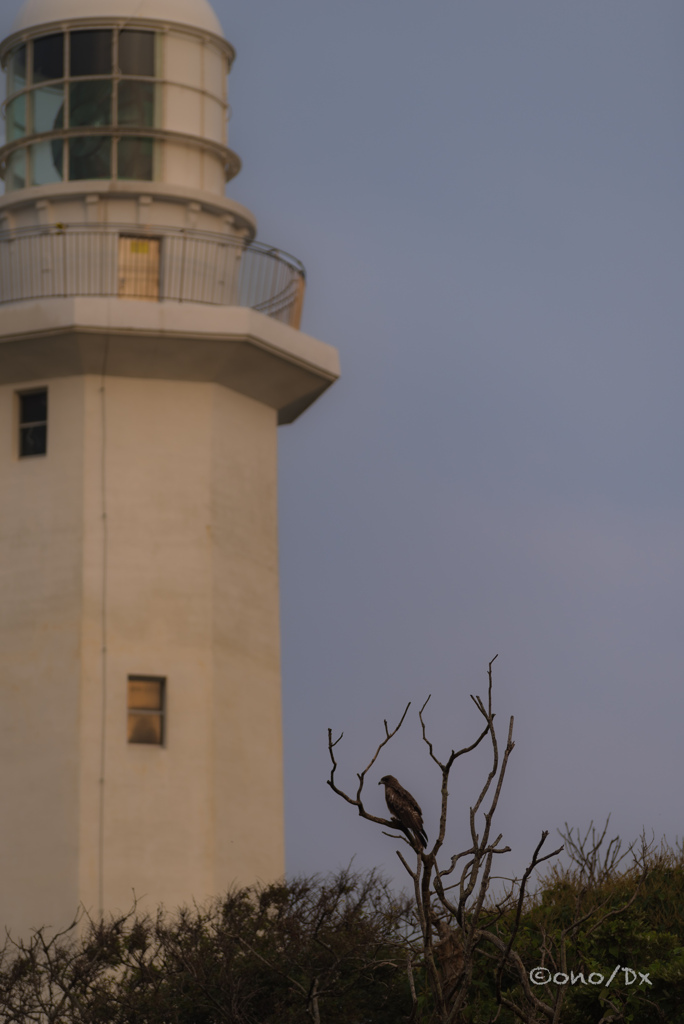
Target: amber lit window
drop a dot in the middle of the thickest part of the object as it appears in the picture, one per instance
(138, 267)
(32, 422)
(146, 709)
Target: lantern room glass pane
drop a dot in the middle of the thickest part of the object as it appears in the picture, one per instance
(90, 157)
(16, 118)
(15, 175)
(90, 103)
(48, 57)
(136, 103)
(48, 108)
(135, 159)
(46, 162)
(91, 52)
(136, 52)
(16, 70)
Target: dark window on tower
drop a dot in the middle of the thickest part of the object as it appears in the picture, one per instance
(146, 698)
(136, 52)
(32, 422)
(91, 52)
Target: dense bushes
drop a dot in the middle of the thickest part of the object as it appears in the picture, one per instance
(335, 951)
(593, 918)
(308, 950)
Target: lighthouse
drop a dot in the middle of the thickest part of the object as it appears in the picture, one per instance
(149, 350)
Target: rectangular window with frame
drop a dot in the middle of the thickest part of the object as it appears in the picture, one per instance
(146, 709)
(32, 422)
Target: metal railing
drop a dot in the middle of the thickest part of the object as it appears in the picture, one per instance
(157, 264)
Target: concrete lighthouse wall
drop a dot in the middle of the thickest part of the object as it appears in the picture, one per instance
(191, 594)
(143, 543)
(41, 567)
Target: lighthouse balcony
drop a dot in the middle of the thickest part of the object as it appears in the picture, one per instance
(159, 264)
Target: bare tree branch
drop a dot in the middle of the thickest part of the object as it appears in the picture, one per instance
(356, 801)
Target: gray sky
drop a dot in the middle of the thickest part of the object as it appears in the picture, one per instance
(487, 195)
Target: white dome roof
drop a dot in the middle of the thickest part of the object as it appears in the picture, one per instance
(197, 13)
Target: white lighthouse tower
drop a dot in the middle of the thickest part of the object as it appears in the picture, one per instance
(149, 348)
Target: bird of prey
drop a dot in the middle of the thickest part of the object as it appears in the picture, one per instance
(404, 808)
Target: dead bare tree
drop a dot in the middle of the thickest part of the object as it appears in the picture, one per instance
(456, 918)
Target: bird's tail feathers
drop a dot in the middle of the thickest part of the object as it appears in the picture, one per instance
(421, 836)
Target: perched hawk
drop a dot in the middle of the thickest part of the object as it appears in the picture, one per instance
(404, 808)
